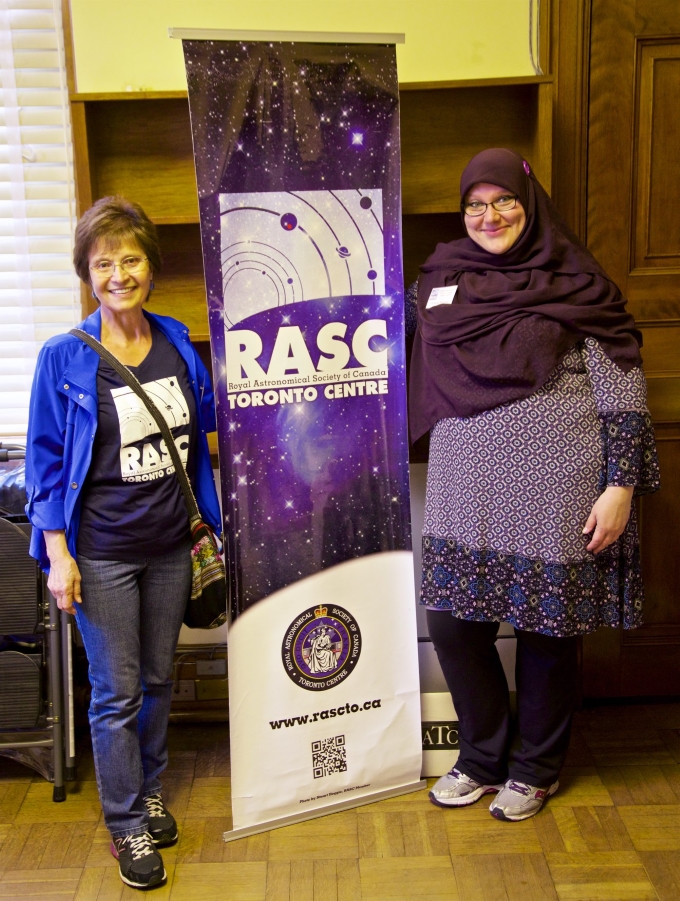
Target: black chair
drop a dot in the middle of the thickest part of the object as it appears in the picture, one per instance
(31, 725)
(20, 583)
(21, 697)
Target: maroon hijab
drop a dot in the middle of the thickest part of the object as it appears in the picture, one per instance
(515, 315)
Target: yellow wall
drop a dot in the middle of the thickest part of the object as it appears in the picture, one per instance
(123, 44)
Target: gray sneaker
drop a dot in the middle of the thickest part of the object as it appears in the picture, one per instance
(455, 789)
(162, 825)
(139, 863)
(519, 801)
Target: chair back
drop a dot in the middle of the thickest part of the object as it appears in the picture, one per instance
(20, 583)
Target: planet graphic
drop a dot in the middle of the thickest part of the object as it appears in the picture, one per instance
(334, 247)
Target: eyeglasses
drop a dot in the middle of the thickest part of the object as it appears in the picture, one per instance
(502, 205)
(131, 265)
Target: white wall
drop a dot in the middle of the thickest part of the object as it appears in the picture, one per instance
(123, 44)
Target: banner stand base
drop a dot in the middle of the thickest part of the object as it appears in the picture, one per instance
(235, 834)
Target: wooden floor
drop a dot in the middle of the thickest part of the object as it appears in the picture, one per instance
(612, 832)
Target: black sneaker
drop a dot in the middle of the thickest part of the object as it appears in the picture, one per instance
(162, 825)
(139, 864)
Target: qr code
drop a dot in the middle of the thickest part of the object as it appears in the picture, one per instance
(329, 756)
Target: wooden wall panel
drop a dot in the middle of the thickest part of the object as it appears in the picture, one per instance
(660, 528)
(612, 72)
(661, 360)
(570, 67)
(651, 654)
(661, 343)
(633, 228)
(656, 235)
(664, 399)
(657, 17)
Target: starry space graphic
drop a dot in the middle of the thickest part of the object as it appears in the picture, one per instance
(303, 131)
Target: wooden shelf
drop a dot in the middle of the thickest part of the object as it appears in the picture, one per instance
(421, 233)
(183, 298)
(180, 286)
(143, 149)
(474, 83)
(403, 86)
(128, 95)
(139, 144)
(189, 219)
(442, 129)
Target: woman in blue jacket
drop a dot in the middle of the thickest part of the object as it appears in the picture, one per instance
(109, 521)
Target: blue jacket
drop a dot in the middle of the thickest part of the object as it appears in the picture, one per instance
(63, 422)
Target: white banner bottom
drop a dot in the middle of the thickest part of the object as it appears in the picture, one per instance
(324, 702)
(234, 834)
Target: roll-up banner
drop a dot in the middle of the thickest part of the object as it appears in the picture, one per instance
(296, 143)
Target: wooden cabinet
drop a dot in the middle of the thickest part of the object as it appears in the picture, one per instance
(139, 145)
(443, 125)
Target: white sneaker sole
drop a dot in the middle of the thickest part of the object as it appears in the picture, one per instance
(465, 800)
(144, 885)
(166, 841)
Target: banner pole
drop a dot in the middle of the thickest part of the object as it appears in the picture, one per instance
(311, 37)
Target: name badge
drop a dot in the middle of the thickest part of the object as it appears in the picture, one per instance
(441, 295)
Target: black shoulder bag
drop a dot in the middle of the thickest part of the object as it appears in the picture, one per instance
(207, 604)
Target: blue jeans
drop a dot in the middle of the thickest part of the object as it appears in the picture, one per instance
(130, 620)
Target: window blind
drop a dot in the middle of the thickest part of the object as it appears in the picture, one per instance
(39, 294)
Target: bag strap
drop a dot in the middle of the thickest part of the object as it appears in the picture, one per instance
(132, 382)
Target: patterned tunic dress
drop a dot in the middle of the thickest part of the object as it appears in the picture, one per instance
(509, 492)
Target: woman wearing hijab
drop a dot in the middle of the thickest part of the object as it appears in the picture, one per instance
(526, 369)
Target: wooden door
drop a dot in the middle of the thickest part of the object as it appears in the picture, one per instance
(633, 228)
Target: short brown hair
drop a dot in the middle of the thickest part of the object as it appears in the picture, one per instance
(113, 220)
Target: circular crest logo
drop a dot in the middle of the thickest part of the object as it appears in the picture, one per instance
(321, 647)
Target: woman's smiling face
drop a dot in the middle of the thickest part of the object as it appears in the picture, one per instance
(120, 291)
(494, 231)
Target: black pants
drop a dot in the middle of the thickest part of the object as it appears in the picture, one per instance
(492, 747)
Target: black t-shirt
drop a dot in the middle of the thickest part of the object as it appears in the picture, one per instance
(132, 503)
